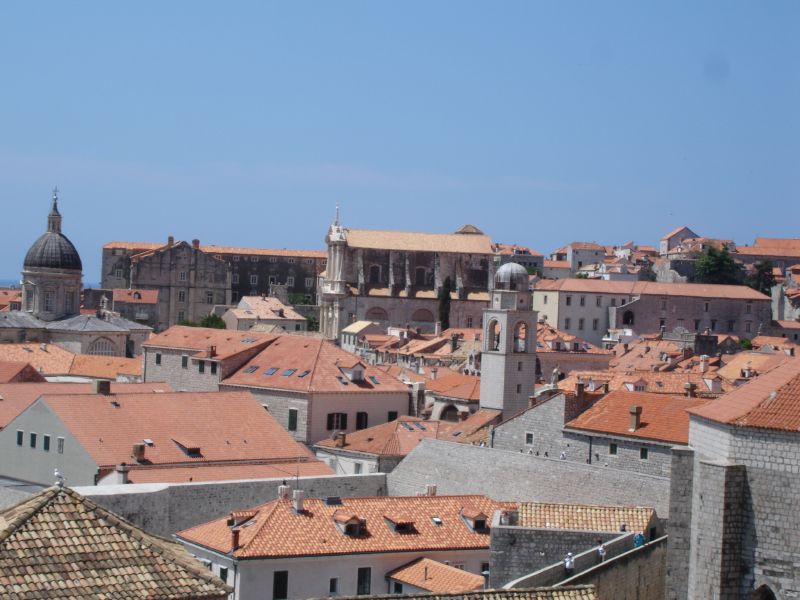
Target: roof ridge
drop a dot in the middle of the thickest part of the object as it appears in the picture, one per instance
(273, 507)
(37, 502)
(313, 377)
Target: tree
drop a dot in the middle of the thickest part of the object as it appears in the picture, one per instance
(213, 321)
(745, 344)
(581, 276)
(717, 266)
(763, 278)
(444, 304)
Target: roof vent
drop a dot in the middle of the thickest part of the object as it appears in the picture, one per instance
(333, 501)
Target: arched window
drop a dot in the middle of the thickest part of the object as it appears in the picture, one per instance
(493, 335)
(449, 413)
(521, 337)
(627, 317)
(137, 296)
(422, 316)
(375, 274)
(102, 347)
(376, 313)
(763, 593)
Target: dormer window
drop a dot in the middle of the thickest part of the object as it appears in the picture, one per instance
(400, 523)
(475, 519)
(349, 523)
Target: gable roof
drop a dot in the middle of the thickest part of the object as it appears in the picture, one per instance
(543, 515)
(277, 530)
(770, 401)
(456, 385)
(226, 427)
(650, 288)
(137, 296)
(228, 343)
(18, 371)
(464, 243)
(663, 419)
(48, 359)
(759, 362)
(434, 576)
(264, 307)
(84, 551)
(304, 364)
(676, 231)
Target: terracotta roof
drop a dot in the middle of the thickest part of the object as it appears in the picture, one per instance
(669, 382)
(59, 544)
(759, 362)
(19, 372)
(105, 367)
(578, 592)
(145, 246)
(771, 401)
(228, 343)
(7, 296)
(420, 242)
(260, 307)
(136, 296)
(557, 264)
(664, 418)
(433, 576)
(48, 359)
(547, 336)
(358, 326)
(228, 472)
(308, 365)
(675, 231)
(456, 385)
(789, 324)
(774, 341)
(16, 397)
(609, 519)
(278, 531)
(640, 288)
(403, 373)
(586, 246)
(790, 243)
(515, 250)
(225, 426)
(768, 251)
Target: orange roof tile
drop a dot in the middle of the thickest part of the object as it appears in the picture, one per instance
(669, 382)
(587, 246)
(557, 264)
(674, 232)
(771, 401)
(664, 418)
(18, 372)
(789, 243)
(308, 365)
(278, 531)
(420, 242)
(48, 359)
(211, 249)
(542, 515)
(228, 343)
(433, 576)
(265, 307)
(637, 288)
(227, 426)
(105, 367)
(759, 362)
(16, 397)
(768, 251)
(136, 296)
(514, 250)
(228, 472)
(456, 385)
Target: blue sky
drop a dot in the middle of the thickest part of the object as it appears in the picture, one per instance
(243, 123)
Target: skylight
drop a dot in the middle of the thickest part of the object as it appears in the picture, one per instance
(288, 372)
(374, 380)
(252, 369)
(271, 371)
(303, 374)
(407, 426)
(420, 426)
(248, 340)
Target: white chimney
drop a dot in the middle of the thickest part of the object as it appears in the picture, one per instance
(704, 363)
(297, 500)
(284, 492)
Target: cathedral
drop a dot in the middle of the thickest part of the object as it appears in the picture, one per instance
(52, 281)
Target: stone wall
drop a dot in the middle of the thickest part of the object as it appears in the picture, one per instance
(465, 469)
(164, 509)
(680, 511)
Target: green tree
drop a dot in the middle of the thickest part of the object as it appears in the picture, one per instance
(297, 298)
(717, 266)
(212, 321)
(763, 278)
(581, 276)
(444, 304)
(745, 344)
(312, 323)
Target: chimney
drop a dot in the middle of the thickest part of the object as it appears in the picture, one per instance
(340, 439)
(453, 343)
(704, 363)
(170, 241)
(212, 351)
(43, 347)
(284, 492)
(102, 387)
(434, 372)
(430, 489)
(437, 330)
(137, 452)
(280, 312)
(605, 387)
(297, 500)
(579, 390)
(122, 473)
(635, 418)
(689, 387)
(234, 539)
(196, 244)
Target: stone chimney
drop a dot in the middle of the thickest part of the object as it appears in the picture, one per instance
(430, 489)
(635, 418)
(437, 329)
(170, 241)
(234, 539)
(434, 372)
(121, 471)
(340, 440)
(580, 390)
(212, 351)
(453, 343)
(297, 500)
(102, 387)
(690, 389)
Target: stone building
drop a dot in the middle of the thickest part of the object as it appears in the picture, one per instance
(522, 255)
(263, 310)
(250, 272)
(733, 502)
(52, 280)
(394, 278)
(590, 308)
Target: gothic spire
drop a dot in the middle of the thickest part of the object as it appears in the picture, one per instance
(54, 218)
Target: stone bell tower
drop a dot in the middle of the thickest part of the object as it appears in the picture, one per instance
(333, 285)
(508, 354)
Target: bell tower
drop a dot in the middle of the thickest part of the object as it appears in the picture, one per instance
(333, 285)
(508, 354)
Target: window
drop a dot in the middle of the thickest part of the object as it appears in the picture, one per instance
(484, 569)
(731, 326)
(544, 299)
(748, 308)
(235, 279)
(184, 361)
(209, 297)
(357, 468)
(309, 261)
(181, 296)
(223, 574)
(333, 586)
(567, 323)
(235, 258)
(519, 366)
(20, 437)
(254, 281)
(158, 358)
(337, 421)
(392, 416)
(49, 301)
(46, 443)
(662, 323)
(583, 300)
(612, 448)
(273, 259)
(643, 453)
(663, 304)
(598, 301)
(529, 438)
(273, 280)
(364, 581)
(361, 420)
(469, 322)
(569, 301)
(613, 302)
(309, 282)
(280, 585)
(397, 588)
(292, 419)
(70, 300)
(201, 366)
(747, 326)
(290, 281)
(697, 324)
(291, 261)
(213, 368)
(118, 273)
(182, 276)
(713, 324)
(595, 324)
(33, 440)
(580, 324)
(519, 388)
(622, 301)
(61, 445)
(253, 259)
(705, 306)
(181, 316)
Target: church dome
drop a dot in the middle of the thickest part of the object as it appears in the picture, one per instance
(512, 276)
(53, 250)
